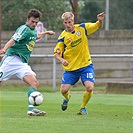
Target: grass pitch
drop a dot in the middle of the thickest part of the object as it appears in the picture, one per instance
(108, 113)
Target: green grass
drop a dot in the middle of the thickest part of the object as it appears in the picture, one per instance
(47, 88)
(108, 113)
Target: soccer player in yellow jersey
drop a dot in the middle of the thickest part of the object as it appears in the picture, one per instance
(72, 50)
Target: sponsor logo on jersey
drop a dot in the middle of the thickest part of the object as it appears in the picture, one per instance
(76, 42)
(31, 45)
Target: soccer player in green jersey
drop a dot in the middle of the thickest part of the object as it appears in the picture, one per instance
(17, 53)
(72, 50)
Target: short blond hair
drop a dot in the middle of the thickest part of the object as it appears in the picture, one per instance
(67, 15)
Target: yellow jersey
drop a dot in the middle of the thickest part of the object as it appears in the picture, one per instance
(74, 46)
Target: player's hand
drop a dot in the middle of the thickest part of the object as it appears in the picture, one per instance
(100, 16)
(50, 32)
(2, 51)
(64, 62)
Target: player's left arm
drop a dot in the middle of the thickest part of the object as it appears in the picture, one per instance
(40, 35)
(100, 18)
(92, 27)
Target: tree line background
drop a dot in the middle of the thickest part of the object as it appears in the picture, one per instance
(14, 12)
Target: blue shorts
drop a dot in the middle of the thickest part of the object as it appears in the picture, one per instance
(85, 73)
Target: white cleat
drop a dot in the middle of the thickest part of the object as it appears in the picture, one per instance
(36, 112)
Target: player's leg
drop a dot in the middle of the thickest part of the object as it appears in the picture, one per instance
(68, 79)
(12, 65)
(34, 84)
(65, 91)
(88, 93)
(86, 96)
(25, 73)
(88, 80)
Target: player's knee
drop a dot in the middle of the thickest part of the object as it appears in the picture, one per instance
(63, 91)
(35, 84)
(89, 88)
(64, 88)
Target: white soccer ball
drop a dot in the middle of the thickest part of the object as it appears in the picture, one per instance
(35, 98)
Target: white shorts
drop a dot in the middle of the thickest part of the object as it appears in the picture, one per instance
(12, 65)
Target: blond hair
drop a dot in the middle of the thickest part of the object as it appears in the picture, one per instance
(67, 15)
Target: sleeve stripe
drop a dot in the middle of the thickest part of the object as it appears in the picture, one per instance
(21, 29)
(61, 40)
(83, 25)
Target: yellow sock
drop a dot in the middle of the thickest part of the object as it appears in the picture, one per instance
(86, 97)
(66, 95)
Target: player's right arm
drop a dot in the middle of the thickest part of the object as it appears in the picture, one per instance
(59, 49)
(7, 45)
(63, 61)
(19, 35)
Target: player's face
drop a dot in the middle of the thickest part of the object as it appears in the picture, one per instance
(32, 22)
(69, 24)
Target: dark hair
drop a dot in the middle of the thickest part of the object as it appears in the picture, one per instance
(34, 13)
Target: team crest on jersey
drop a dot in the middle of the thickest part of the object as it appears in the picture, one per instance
(31, 45)
(78, 33)
(31, 38)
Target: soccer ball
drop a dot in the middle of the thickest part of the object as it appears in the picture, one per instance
(35, 98)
